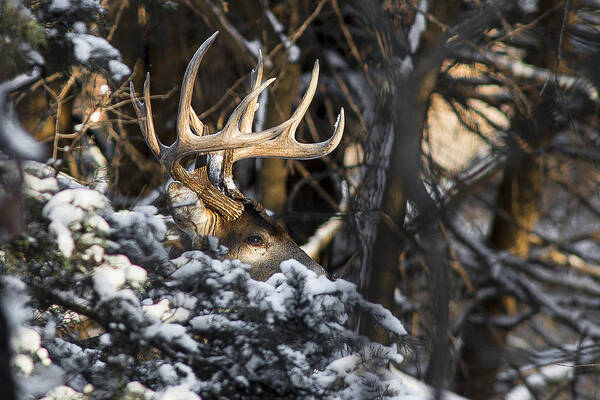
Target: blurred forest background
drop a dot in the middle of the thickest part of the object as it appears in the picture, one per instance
(464, 196)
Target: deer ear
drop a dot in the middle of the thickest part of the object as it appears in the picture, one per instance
(190, 214)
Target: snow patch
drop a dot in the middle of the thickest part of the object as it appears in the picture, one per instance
(179, 393)
(24, 363)
(136, 276)
(418, 27)
(118, 70)
(15, 141)
(25, 340)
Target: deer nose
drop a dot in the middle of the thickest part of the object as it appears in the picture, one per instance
(311, 264)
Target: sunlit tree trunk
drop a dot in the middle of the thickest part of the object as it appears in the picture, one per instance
(517, 210)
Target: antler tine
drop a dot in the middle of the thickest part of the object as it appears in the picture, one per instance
(198, 126)
(226, 161)
(286, 145)
(230, 137)
(144, 114)
(248, 117)
(231, 131)
(187, 88)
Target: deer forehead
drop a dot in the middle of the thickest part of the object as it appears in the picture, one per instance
(252, 222)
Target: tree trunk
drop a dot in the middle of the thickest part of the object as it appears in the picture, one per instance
(516, 215)
(407, 110)
(273, 172)
(516, 212)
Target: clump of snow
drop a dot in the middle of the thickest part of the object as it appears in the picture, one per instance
(24, 363)
(44, 357)
(26, 340)
(179, 393)
(159, 309)
(60, 5)
(83, 198)
(191, 327)
(79, 27)
(64, 393)
(98, 224)
(136, 276)
(174, 333)
(118, 70)
(107, 280)
(44, 187)
(87, 47)
(135, 390)
(69, 5)
(69, 208)
(15, 141)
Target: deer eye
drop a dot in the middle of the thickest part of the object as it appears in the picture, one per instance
(255, 241)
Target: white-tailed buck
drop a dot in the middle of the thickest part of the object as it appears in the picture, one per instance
(206, 202)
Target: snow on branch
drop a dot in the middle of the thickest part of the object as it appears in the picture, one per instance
(15, 141)
(418, 27)
(526, 282)
(191, 327)
(520, 69)
(293, 50)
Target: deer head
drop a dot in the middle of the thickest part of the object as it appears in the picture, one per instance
(206, 202)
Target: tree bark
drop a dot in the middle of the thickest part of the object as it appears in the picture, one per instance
(516, 210)
(273, 172)
(516, 215)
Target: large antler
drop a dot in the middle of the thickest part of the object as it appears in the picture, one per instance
(284, 145)
(189, 139)
(234, 142)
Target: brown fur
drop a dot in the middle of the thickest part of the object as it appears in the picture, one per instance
(240, 235)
